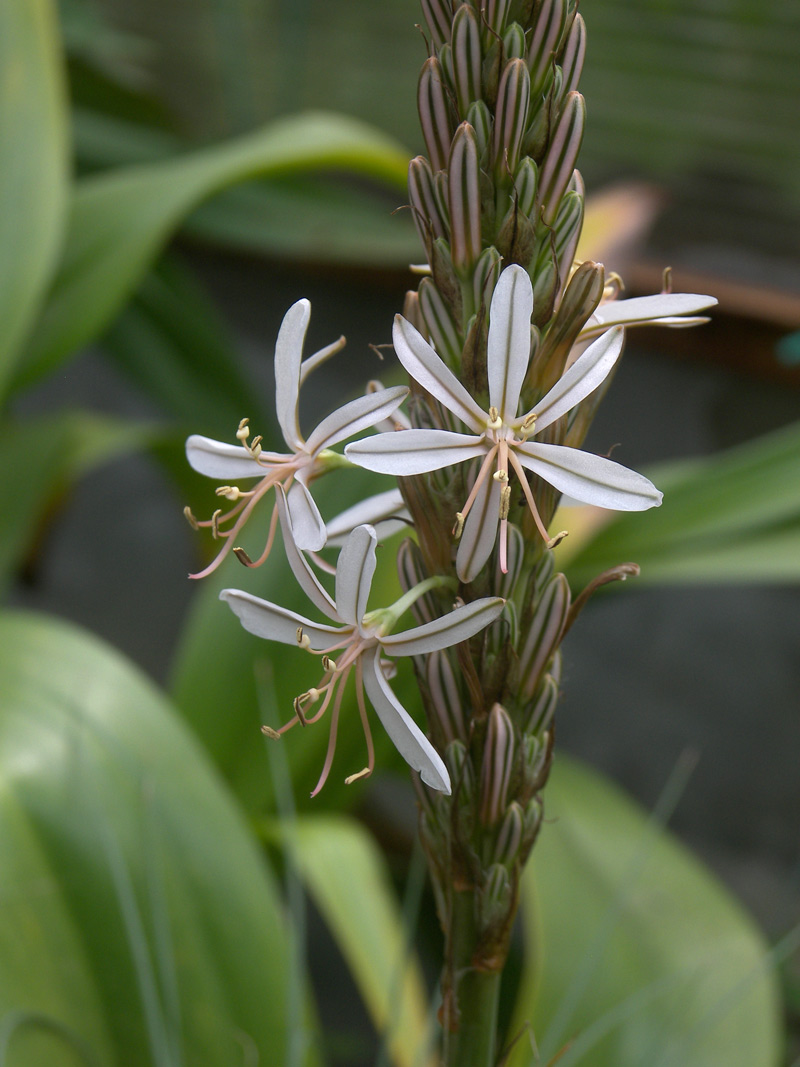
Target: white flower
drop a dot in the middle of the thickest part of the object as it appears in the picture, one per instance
(306, 458)
(661, 309)
(360, 639)
(501, 436)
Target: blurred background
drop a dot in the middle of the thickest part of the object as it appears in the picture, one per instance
(693, 125)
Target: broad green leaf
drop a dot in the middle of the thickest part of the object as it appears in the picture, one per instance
(137, 911)
(734, 516)
(119, 222)
(40, 459)
(641, 956)
(33, 166)
(346, 876)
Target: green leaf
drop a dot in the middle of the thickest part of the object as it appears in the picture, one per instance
(730, 517)
(138, 915)
(40, 459)
(641, 956)
(33, 166)
(120, 222)
(346, 876)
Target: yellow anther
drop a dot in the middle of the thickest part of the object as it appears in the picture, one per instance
(243, 557)
(528, 421)
(328, 664)
(500, 475)
(230, 492)
(458, 529)
(355, 777)
(267, 731)
(189, 516)
(303, 640)
(559, 537)
(298, 708)
(244, 430)
(215, 523)
(495, 422)
(313, 695)
(505, 501)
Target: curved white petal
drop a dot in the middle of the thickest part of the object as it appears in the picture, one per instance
(308, 527)
(288, 356)
(220, 460)
(318, 358)
(406, 736)
(425, 367)
(582, 378)
(405, 452)
(306, 578)
(274, 623)
(381, 508)
(480, 531)
(509, 343)
(590, 479)
(355, 569)
(356, 416)
(642, 309)
(458, 625)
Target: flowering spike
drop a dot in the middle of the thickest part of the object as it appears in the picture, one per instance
(464, 199)
(561, 156)
(466, 45)
(434, 113)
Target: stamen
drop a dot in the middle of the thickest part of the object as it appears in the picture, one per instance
(500, 475)
(505, 501)
(328, 664)
(255, 446)
(495, 422)
(273, 735)
(230, 492)
(243, 557)
(297, 703)
(189, 516)
(365, 773)
(244, 431)
(527, 426)
(559, 537)
(458, 529)
(215, 524)
(303, 640)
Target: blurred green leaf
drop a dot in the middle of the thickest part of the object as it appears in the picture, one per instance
(33, 166)
(120, 222)
(730, 517)
(40, 459)
(137, 911)
(346, 876)
(641, 956)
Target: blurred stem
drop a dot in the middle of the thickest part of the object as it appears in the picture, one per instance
(476, 993)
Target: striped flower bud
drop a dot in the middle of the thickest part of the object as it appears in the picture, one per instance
(495, 15)
(511, 117)
(573, 56)
(582, 295)
(537, 755)
(411, 571)
(497, 765)
(495, 898)
(551, 20)
(485, 275)
(526, 180)
(411, 312)
(514, 41)
(437, 15)
(445, 696)
(544, 634)
(508, 841)
(480, 119)
(562, 154)
(441, 327)
(532, 820)
(444, 276)
(567, 232)
(543, 710)
(466, 46)
(433, 113)
(424, 204)
(464, 199)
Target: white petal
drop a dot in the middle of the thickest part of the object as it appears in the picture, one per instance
(356, 416)
(590, 479)
(221, 461)
(355, 569)
(306, 578)
(375, 509)
(319, 358)
(480, 531)
(509, 339)
(458, 625)
(405, 452)
(406, 736)
(264, 619)
(582, 378)
(642, 309)
(308, 527)
(288, 355)
(426, 368)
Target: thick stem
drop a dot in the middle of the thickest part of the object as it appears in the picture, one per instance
(470, 1039)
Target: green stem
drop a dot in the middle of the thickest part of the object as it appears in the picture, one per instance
(477, 993)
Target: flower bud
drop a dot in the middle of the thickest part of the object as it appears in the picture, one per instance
(424, 205)
(509, 837)
(516, 237)
(532, 820)
(537, 755)
(433, 113)
(444, 276)
(497, 765)
(511, 117)
(573, 55)
(567, 232)
(445, 696)
(495, 14)
(437, 15)
(514, 41)
(439, 322)
(544, 634)
(411, 571)
(526, 180)
(582, 295)
(480, 119)
(464, 199)
(412, 314)
(562, 153)
(466, 46)
(485, 275)
(543, 709)
(551, 20)
(495, 897)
